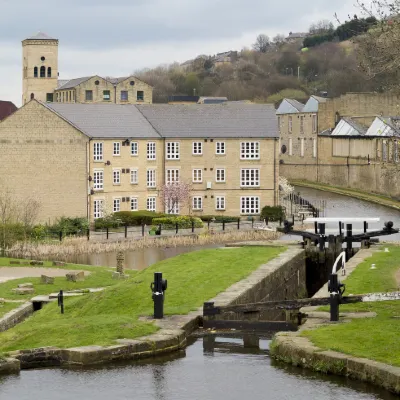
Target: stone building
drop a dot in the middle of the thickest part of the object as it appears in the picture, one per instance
(88, 159)
(41, 79)
(6, 109)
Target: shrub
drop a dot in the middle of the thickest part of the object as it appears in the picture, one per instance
(218, 218)
(108, 222)
(70, 226)
(273, 213)
(11, 233)
(184, 222)
(137, 218)
(39, 232)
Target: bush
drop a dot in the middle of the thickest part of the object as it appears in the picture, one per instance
(11, 233)
(184, 222)
(39, 232)
(273, 213)
(218, 218)
(108, 222)
(69, 226)
(137, 218)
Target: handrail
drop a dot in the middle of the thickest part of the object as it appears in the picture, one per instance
(341, 256)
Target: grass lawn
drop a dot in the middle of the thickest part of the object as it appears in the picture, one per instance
(100, 318)
(373, 338)
(7, 307)
(99, 277)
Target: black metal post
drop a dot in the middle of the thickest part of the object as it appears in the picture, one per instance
(158, 288)
(252, 222)
(321, 228)
(176, 228)
(316, 227)
(266, 221)
(107, 232)
(293, 219)
(142, 229)
(60, 236)
(223, 225)
(365, 226)
(349, 234)
(192, 225)
(126, 231)
(88, 234)
(61, 301)
(340, 228)
(238, 223)
(334, 297)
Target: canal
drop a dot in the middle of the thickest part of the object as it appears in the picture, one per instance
(223, 369)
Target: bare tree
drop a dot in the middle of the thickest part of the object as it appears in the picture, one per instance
(174, 196)
(262, 43)
(321, 27)
(8, 216)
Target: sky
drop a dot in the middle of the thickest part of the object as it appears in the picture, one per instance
(118, 37)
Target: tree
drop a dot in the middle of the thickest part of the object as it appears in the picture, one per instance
(174, 196)
(262, 43)
(321, 27)
(278, 40)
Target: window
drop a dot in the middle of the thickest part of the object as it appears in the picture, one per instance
(49, 97)
(396, 151)
(220, 175)
(117, 205)
(172, 176)
(151, 178)
(98, 179)
(301, 124)
(384, 150)
(249, 150)
(220, 203)
(197, 203)
(134, 148)
(35, 72)
(220, 148)
(116, 176)
(140, 95)
(197, 175)
(49, 72)
(124, 95)
(106, 95)
(172, 207)
(279, 124)
(98, 151)
(197, 148)
(290, 124)
(32, 96)
(250, 205)
(134, 204)
(249, 177)
(151, 151)
(302, 147)
(89, 95)
(134, 176)
(314, 124)
(314, 148)
(151, 204)
(117, 149)
(172, 150)
(98, 206)
(43, 71)
(290, 147)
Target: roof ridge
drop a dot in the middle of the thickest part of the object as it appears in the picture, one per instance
(156, 130)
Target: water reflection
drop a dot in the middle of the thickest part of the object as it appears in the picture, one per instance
(212, 368)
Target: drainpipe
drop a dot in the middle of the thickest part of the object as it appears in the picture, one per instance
(115, 94)
(275, 167)
(87, 178)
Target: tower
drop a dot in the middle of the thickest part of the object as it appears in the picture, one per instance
(40, 67)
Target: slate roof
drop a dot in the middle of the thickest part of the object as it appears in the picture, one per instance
(70, 84)
(238, 120)
(105, 120)
(312, 104)
(290, 106)
(6, 109)
(348, 127)
(40, 36)
(384, 126)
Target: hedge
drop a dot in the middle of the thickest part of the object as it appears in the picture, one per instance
(218, 218)
(184, 222)
(273, 213)
(130, 218)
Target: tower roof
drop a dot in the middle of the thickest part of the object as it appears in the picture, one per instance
(40, 36)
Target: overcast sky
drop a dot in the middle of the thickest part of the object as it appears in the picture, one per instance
(117, 37)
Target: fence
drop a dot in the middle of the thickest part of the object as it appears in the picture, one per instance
(299, 208)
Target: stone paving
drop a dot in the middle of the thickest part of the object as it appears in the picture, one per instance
(10, 273)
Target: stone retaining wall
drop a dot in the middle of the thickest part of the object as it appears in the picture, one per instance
(16, 316)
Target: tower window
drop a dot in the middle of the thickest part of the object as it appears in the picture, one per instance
(49, 97)
(32, 96)
(42, 58)
(49, 72)
(35, 72)
(43, 71)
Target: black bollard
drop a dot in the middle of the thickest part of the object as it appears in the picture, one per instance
(192, 225)
(126, 231)
(316, 227)
(223, 225)
(334, 300)
(349, 247)
(60, 236)
(365, 226)
(176, 228)
(61, 301)
(142, 229)
(238, 223)
(158, 287)
(107, 232)
(88, 234)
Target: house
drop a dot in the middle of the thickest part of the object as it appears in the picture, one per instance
(225, 58)
(41, 79)
(88, 159)
(6, 109)
(296, 36)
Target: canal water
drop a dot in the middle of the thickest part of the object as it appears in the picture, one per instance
(222, 370)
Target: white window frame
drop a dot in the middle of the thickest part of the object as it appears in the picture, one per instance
(98, 148)
(197, 203)
(197, 148)
(249, 150)
(116, 149)
(116, 204)
(175, 209)
(116, 176)
(220, 203)
(314, 148)
(134, 175)
(301, 147)
(151, 203)
(195, 175)
(290, 124)
(98, 179)
(134, 149)
(290, 147)
(151, 178)
(172, 175)
(98, 208)
(250, 177)
(134, 204)
(220, 175)
(151, 150)
(172, 150)
(247, 208)
(220, 148)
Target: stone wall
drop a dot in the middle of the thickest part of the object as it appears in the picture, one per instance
(16, 316)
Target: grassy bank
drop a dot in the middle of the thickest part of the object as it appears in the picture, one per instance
(7, 307)
(373, 338)
(103, 317)
(99, 277)
(358, 194)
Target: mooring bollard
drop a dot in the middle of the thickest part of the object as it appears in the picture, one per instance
(61, 301)
(158, 287)
(336, 292)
